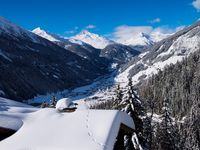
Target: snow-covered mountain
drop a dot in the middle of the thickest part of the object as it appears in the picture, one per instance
(32, 65)
(78, 47)
(45, 34)
(142, 39)
(138, 41)
(166, 52)
(114, 52)
(56, 38)
(95, 40)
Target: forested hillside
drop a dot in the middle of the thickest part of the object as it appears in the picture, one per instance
(174, 93)
(180, 83)
(170, 100)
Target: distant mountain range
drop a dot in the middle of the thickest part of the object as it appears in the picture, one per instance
(91, 46)
(140, 40)
(40, 62)
(31, 65)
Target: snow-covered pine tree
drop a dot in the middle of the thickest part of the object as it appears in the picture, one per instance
(167, 135)
(131, 104)
(118, 98)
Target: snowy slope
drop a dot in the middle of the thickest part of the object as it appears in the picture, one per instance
(10, 106)
(95, 40)
(48, 129)
(12, 113)
(166, 52)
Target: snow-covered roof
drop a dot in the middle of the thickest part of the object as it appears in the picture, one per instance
(47, 129)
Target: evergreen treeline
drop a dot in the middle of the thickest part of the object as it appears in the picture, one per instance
(179, 85)
(174, 95)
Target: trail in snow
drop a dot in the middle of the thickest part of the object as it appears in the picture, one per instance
(90, 134)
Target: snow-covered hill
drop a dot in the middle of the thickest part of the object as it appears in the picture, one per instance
(95, 40)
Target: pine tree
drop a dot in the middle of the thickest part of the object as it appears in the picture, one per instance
(167, 135)
(193, 123)
(131, 104)
(118, 98)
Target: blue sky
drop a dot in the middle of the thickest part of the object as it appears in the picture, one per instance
(66, 17)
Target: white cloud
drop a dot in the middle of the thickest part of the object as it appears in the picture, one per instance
(196, 4)
(157, 20)
(132, 34)
(126, 32)
(90, 26)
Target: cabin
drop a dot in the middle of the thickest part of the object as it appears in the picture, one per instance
(80, 129)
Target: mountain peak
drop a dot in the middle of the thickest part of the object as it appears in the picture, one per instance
(38, 29)
(93, 39)
(44, 34)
